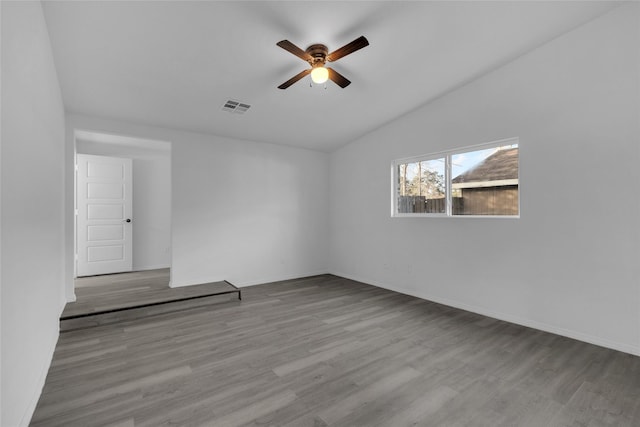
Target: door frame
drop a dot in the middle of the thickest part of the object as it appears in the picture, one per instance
(80, 134)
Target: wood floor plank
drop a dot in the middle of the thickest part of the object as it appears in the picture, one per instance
(325, 351)
(417, 407)
(381, 389)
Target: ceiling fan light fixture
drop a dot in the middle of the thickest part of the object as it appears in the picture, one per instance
(319, 75)
(316, 55)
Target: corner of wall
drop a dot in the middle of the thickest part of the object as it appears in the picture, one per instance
(31, 408)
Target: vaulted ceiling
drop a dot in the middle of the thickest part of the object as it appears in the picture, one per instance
(175, 63)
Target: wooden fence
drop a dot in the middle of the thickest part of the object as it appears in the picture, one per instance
(420, 204)
(480, 201)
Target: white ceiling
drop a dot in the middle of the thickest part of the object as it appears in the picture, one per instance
(174, 63)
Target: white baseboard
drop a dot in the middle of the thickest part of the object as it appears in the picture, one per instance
(246, 283)
(266, 280)
(31, 408)
(193, 282)
(150, 267)
(580, 336)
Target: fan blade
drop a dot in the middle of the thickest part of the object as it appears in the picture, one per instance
(338, 78)
(295, 78)
(292, 48)
(345, 50)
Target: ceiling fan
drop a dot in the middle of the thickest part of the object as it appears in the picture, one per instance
(317, 55)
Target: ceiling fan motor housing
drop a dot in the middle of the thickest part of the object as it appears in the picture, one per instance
(318, 53)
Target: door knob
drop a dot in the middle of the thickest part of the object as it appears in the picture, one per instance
(127, 220)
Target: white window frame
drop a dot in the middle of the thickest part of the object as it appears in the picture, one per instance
(447, 155)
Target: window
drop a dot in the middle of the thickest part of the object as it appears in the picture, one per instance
(421, 186)
(474, 181)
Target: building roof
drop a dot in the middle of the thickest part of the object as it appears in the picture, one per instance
(499, 166)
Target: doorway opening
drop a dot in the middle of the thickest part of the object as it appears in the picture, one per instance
(122, 215)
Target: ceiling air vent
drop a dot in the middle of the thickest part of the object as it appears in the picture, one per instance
(237, 107)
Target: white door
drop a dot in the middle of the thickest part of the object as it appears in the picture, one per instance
(103, 218)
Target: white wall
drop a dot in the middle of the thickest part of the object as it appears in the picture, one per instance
(32, 208)
(151, 199)
(242, 211)
(570, 263)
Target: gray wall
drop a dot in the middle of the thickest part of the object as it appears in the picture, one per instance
(32, 208)
(570, 263)
(242, 211)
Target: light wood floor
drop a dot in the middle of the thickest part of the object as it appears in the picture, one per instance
(326, 351)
